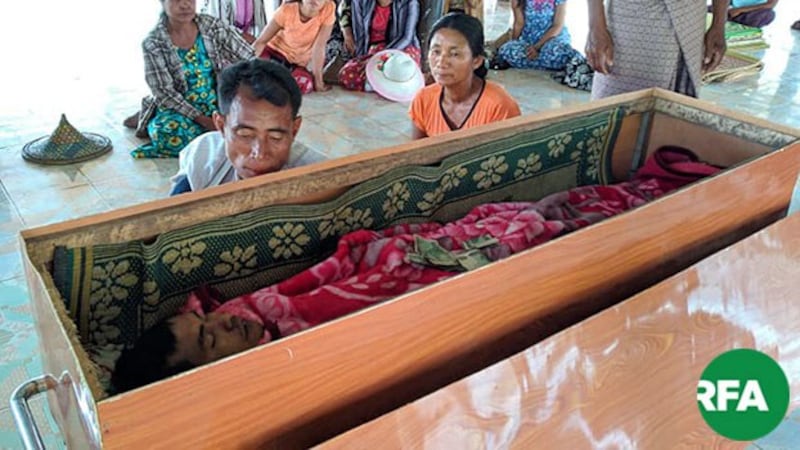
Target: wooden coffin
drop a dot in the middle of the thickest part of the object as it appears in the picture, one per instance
(90, 284)
(626, 377)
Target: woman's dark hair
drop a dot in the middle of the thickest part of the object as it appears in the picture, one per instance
(266, 80)
(469, 27)
(147, 362)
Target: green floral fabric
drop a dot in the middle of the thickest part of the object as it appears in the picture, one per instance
(115, 291)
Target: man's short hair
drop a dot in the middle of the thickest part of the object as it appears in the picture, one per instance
(147, 362)
(265, 79)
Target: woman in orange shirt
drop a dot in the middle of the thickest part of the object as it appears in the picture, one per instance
(461, 97)
(296, 37)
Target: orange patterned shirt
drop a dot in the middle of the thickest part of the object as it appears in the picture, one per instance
(296, 38)
(494, 104)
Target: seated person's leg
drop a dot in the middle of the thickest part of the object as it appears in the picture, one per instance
(304, 79)
(514, 54)
(759, 18)
(181, 186)
(554, 55)
(169, 133)
(353, 75)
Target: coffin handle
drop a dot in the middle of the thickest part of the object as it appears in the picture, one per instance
(26, 426)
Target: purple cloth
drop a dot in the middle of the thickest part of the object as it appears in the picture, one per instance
(244, 14)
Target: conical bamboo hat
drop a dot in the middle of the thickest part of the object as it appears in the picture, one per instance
(66, 145)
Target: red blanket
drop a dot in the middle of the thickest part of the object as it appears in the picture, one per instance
(371, 266)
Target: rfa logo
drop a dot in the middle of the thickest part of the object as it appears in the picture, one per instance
(743, 394)
(728, 390)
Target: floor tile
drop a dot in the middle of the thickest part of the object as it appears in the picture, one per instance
(10, 258)
(353, 126)
(56, 205)
(316, 104)
(785, 437)
(320, 139)
(20, 177)
(9, 437)
(20, 361)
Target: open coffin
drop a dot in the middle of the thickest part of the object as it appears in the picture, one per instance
(97, 282)
(628, 376)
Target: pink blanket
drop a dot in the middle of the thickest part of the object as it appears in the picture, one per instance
(369, 267)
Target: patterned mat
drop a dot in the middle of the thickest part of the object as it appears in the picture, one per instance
(734, 66)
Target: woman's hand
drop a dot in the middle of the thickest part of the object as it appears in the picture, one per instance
(349, 41)
(532, 52)
(258, 48)
(600, 49)
(714, 47)
(320, 86)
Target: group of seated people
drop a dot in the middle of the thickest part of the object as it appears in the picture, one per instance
(231, 116)
(187, 51)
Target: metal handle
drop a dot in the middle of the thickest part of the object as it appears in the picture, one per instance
(31, 438)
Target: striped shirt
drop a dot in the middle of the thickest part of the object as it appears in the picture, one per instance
(163, 70)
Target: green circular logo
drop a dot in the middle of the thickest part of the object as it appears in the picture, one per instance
(743, 394)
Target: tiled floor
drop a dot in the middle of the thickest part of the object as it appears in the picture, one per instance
(89, 68)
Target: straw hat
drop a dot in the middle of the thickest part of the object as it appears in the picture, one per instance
(66, 145)
(394, 75)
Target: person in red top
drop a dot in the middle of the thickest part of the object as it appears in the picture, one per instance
(461, 97)
(370, 26)
(296, 37)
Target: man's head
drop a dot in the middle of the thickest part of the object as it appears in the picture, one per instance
(182, 343)
(259, 102)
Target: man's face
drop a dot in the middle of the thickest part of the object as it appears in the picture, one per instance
(203, 339)
(258, 135)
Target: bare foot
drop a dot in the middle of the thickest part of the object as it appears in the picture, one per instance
(131, 121)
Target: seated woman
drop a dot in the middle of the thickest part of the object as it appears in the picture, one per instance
(183, 55)
(369, 267)
(461, 97)
(753, 13)
(296, 37)
(370, 26)
(539, 38)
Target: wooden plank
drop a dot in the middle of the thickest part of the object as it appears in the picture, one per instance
(724, 149)
(316, 384)
(721, 111)
(72, 402)
(627, 377)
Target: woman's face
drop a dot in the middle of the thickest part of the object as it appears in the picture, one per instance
(180, 10)
(450, 57)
